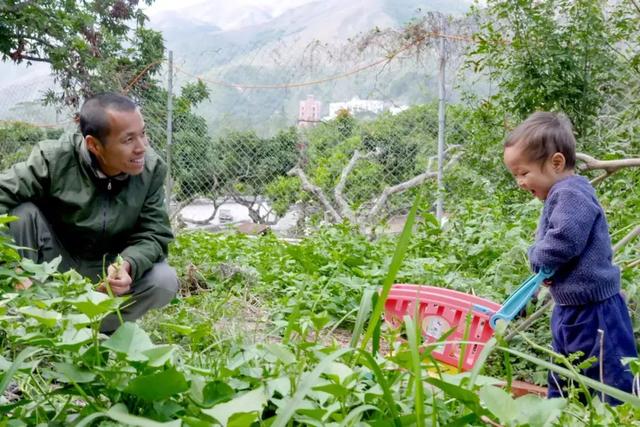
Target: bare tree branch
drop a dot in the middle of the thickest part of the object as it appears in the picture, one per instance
(607, 165)
(202, 221)
(435, 158)
(209, 218)
(626, 239)
(633, 264)
(34, 59)
(453, 161)
(315, 190)
(35, 39)
(597, 180)
(254, 213)
(345, 210)
(175, 215)
(403, 186)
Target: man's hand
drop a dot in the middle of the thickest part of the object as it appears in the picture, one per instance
(23, 283)
(119, 279)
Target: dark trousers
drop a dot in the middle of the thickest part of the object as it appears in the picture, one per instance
(575, 328)
(154, 289)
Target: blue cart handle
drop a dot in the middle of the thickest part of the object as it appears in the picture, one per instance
(520, 297)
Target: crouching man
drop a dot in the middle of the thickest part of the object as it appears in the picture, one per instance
(94, 196)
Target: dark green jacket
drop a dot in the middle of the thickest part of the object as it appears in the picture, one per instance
(92, 215)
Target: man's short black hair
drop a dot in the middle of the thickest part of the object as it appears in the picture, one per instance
(93, 117)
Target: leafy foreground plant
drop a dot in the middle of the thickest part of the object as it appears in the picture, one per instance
(58, 370)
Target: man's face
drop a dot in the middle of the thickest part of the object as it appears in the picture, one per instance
(125, 145)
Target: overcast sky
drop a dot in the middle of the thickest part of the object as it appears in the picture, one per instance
(163, 5)
(221, 12)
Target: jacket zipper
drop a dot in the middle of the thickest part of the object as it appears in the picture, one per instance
(106, 209)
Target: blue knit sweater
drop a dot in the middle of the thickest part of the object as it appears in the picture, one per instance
(573, 239)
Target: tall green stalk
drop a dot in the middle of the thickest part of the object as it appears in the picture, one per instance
(394, 267)
(414, 336)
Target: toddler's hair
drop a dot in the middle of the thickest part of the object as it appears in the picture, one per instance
(544, 134)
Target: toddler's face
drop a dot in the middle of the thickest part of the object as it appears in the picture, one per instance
(530, 175)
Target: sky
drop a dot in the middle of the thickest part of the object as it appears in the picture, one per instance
(165, 5)
(227, 14)
(222, 13)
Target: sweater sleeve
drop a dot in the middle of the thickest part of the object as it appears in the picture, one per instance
(571, 218)
(24, 181)
(150, 239)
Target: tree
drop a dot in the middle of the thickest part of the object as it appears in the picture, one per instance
(103, 46)
(548, 55)
(624, 23)
(16, 139)
(369, 172)
(89, 45)
(246, 167)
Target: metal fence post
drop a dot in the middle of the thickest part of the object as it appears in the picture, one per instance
(441, 126)
(169, 184)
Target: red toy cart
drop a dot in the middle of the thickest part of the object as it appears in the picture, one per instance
(441, 309)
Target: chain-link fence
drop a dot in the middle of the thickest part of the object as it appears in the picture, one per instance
(346, 133)
(309, 143)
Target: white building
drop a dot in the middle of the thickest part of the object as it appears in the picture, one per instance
(356, 105)
(397, 110)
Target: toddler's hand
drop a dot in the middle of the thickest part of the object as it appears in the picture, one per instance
(547, 282)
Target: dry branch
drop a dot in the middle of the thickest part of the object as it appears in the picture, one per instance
(175, 211)
(317, 191)
(626, 239)
(345, 210)
(205, 221)
(202, 221)
(609, 166)
(403, 186)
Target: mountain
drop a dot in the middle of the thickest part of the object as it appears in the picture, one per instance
(309, 41)
(327, 21)
(222, 14)
(22, 88)
(255, 42)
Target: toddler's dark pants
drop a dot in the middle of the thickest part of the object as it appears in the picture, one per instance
(575, 328)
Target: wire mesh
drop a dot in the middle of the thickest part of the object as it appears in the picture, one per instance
(347, 132)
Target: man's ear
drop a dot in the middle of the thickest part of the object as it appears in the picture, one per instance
(558, 162)
(93, 145)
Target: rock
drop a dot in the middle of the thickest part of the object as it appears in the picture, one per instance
(252, 229)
